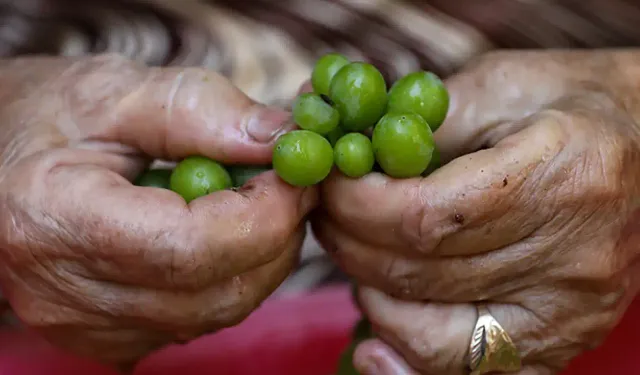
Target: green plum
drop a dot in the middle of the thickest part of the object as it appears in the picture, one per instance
(314, 112)
(240, 174)
(302, 158)
(359, 93)
(154, 178)
(197, 176)
(324, 70)
(434, 164)
(353, 155)
(403, 144)
(335, 135)
(422, 93)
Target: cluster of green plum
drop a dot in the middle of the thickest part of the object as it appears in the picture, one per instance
(352, 121)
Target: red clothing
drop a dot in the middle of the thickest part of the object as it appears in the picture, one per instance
(292, 336)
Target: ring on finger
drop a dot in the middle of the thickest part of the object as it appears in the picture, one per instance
(491, 349)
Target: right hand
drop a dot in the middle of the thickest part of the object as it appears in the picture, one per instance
(536, 216)
(113, 271)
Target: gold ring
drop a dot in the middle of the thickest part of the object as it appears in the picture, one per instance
(491, 349)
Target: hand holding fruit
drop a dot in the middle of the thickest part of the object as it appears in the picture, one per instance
(535, 213)
(111, 270)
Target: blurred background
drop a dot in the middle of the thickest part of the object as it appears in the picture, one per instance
(267, 47)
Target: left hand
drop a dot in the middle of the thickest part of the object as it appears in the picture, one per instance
(538, 216)
(112, 271)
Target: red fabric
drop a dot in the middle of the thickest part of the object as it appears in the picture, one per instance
(292, 336)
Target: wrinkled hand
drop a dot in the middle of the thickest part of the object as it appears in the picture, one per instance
(537, 213)
(111, 270)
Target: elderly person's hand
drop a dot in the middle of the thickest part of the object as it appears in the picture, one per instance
(537, 216)
(111, 270)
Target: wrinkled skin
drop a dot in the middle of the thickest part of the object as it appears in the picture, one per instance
(113, 271)
(537, 213)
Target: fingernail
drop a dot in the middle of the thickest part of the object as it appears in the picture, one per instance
(267, 123)
(385, 364)
(371, 368)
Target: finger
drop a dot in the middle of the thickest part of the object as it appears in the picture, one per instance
(171, 244)
(373, 357)
(170, 113)
(186, 314)
(446, 279)
(477, 203)
(434, 338)
(164, 316)
(233, 301)
(490, 96)
(473, 115)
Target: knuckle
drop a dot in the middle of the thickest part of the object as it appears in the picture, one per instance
(598, 177)
(184, 269)
(187, 85)
(268, 244)
(401, 281)
(189, 256)
(91, 87)
(422, 229)
(237, 304)
(589, 165)
(219, 307)
(192, 265)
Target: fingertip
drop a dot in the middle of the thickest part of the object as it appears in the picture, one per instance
(366, 356)
(374, 198)
(178, 112)
(338, 188)
(374, 357)
(265, 124)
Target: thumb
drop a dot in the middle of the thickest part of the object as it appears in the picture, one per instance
(489, 96)
(171, 113)
(476, 113)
